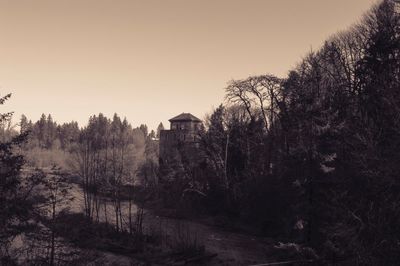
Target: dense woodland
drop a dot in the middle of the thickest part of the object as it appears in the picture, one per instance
(314, 157)
(310, 160)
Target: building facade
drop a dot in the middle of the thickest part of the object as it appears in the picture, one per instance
(181, 139)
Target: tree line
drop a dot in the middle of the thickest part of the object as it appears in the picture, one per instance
(109, 157)
(107, 154)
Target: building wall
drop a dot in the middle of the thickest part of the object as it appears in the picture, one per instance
(181, 136)
(189, 125)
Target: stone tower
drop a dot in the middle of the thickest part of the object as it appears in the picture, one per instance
(182, 136)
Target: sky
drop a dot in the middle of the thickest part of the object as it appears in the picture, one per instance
(151, 60)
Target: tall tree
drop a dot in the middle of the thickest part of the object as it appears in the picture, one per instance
(159, 128)
(15, 192)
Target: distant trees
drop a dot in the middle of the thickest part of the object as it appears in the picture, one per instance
(144, 129)
(107, 156)
(46, 134)
(159, 128)
(68, 134)
(148, 170)
(25, 125)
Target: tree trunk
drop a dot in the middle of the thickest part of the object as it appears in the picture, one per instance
(52, 245)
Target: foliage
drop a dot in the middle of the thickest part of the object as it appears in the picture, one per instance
(15, 193)
(313, 158)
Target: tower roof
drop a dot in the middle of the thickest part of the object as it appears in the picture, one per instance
(185, 117)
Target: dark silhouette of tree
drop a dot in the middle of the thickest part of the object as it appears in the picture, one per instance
(15, 192)
(159, 128)
(314, 156)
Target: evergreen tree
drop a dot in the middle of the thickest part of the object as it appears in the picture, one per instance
(159, 128)
(15, 192)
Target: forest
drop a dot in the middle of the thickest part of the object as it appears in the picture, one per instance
(309, 161)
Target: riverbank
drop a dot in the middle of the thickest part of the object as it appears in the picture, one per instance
(232, 248)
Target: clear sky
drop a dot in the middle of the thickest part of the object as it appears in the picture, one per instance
(151, 60)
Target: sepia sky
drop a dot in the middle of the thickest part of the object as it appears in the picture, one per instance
(151, 60)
